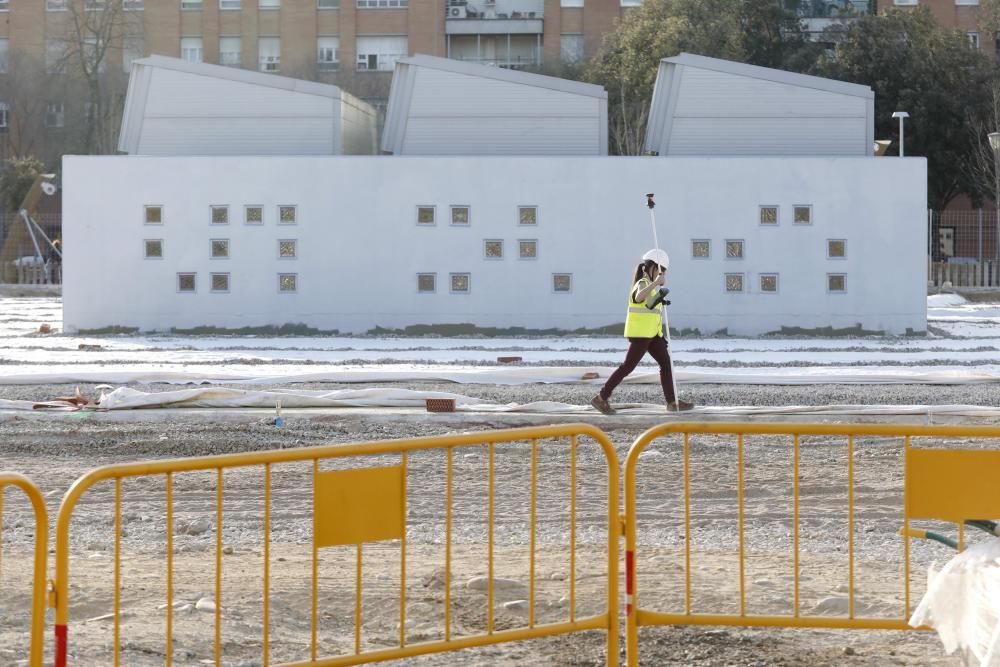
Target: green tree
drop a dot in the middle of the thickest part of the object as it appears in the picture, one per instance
(16, 178)
(934, 74)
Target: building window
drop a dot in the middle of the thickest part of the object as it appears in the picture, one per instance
(562, 283)
(4, 120)
(769, 283)
(154, 215)
(269, 4)
(973, 39)
(836, 282)
(493, 248)
(4, 5)
(56, 5)
(571, 3)
(460, 283)
(425, 215)
(191, 49)
(734, 249)
(287, 249)
(571, 47)
(229, 4)
(527, 215)
(527, 249)
(4, 47)
(768, 215)
(133, 5)
(231, 51)
(220, 215)
(94, 5)
(133, 48)
(220, 282)
(631, 3)
(382, 4)
(55, 115)
(287, 215)
(426, 282)
(460, 215)
(734, 282)
(836, 249)
(905, 2)
(288, 282)
(55, 56)
(253, 215)
(701, 249)
(269, 54)
(153, 248)
(185, 282)
(380, 53)
(967, 2)
(191, 4)
(802, 215)
(328, 53)
(91, 52)
(327, 4)
(219, 249)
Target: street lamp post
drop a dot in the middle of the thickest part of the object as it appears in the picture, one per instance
(901, 115)
(994, 138)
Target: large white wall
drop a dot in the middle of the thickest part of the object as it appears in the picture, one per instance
(360, 247)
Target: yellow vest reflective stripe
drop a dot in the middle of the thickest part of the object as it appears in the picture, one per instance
(642, 322)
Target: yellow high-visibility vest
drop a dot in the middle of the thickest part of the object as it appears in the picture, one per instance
(640, 321)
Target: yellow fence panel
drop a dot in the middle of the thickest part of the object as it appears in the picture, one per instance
(798, 469)
(358, 497)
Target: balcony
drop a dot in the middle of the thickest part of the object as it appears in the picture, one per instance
(494, 17)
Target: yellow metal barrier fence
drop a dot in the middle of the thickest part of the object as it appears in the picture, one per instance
(358, 505)
(951, 485)
(41, 553)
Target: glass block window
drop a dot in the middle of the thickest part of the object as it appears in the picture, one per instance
(527, 249)
(288, 282)
(220, 215)
(220, 282)
(734, 249)
(154, 215)
(734, 282)
(701, 248)
(425, 215)
(426, 282)
(287, 215)
(287, 249)
(562, 282)
(153, 248)
(768, 283)
(836, 282)
(459, 215)
(768, 215)
(460, 283)
(527, 215)
(493, 248)
(802, 215)
(220, 248)
(253, 215)
(836, 248)
(185, 282)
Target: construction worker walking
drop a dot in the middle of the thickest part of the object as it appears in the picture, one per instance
(644, 330)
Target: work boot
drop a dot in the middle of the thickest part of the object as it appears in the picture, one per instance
(602, 405)
(679, 406)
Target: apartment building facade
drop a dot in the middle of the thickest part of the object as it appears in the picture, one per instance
(958, 14)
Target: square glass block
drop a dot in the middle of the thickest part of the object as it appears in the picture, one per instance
(562, 282)
(493, 249)
(185, 282)
(286, 215)
(220, 215)
(836, 248)
(769, 282)
(220, 248)
(701, 249)
(768, 215)
(220, 282)
(287, 249)
(734, 249)
(425, 215)
(802, 215)
(425, 282)
(734, 282)
(527, 215)
(836, 282)
(154, 248)
(154, 215)
(460, 282)
(527, 249)
(288, 282)
(459, 215)
(255, 215)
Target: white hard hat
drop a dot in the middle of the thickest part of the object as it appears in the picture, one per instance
(658, 256)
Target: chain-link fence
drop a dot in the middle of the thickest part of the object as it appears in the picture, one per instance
(962, 248)
(30, 259)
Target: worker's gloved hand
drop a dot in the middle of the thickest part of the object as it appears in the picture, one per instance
(661, 297)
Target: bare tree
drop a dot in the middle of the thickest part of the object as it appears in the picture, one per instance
(982, 162)
(627, 124)
(25, 90)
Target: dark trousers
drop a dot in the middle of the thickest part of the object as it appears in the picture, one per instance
(657, 348)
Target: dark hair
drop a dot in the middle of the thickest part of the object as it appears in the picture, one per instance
(641, 269)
